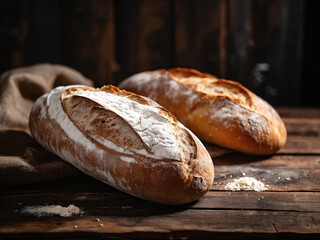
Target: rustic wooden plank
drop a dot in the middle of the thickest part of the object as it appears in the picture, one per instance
(202, 48)
(205, 222)
(184, 234)
(271, 36)
(44, 34)
(122, 214)
(302, 126)
(294, 145)
(280, 172)
(88, 38)
(275, 50)
(290, 54)
(294, 112)
(80, 184)
(87, 191)
(144, 36)
(311, 62)
(248, 200)
(301, 145)
(216, 151)
(116, 202)
(13, 34)
(238, 19)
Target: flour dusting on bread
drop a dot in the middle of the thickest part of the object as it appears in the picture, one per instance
(230, 114)
(175, 90)
(145, 120)
(51, 100)
(149, 82)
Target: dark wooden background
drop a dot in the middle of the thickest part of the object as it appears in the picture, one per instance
(270, 46)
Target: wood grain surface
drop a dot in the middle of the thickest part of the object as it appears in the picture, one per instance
(289, 209)
(94, 55)
(270, 46)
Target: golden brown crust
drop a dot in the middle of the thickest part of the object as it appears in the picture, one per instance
(217, 110)
(81, 129)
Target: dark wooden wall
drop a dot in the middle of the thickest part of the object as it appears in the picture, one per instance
(270, 46)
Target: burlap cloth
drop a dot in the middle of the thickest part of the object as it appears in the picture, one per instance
(22, 159)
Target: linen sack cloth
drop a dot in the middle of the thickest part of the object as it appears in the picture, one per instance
(22, 159)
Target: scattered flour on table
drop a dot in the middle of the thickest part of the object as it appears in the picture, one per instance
(246, 183)
(51, 210)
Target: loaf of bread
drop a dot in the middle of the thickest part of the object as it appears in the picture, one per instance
(218, 111)
(125, 140)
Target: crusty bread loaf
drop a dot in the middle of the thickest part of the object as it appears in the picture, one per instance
(124, 140)
(219, 111)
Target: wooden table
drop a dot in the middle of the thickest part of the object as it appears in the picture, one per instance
(289, 209)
